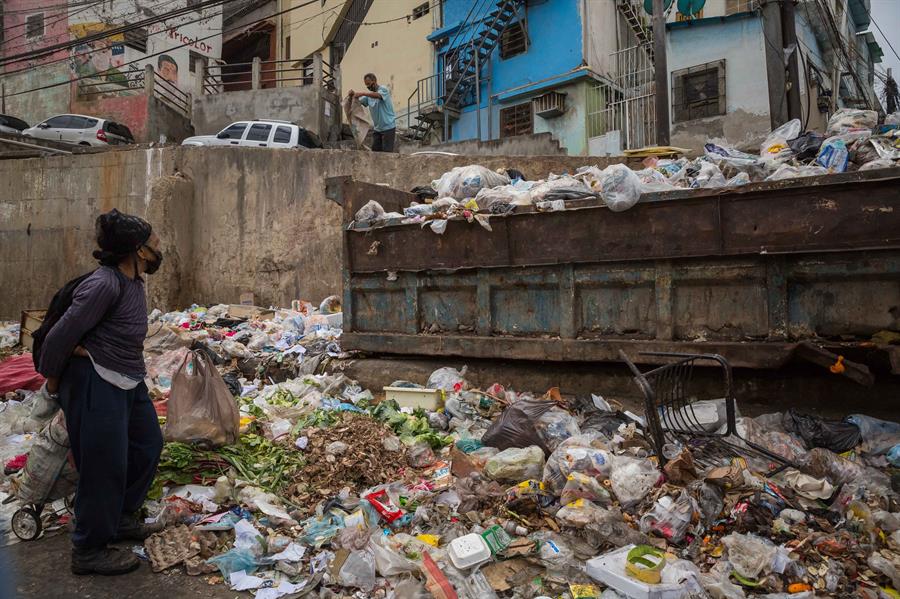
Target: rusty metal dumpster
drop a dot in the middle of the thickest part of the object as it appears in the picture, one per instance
(748, 273)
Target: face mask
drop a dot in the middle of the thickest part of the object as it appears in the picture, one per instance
(153, 265)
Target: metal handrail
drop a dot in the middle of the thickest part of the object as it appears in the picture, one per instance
(171, 87)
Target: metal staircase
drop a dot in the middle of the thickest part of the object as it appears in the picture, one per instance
(631, 11)
(464, 62)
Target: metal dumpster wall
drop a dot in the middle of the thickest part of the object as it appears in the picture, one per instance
(729, 274)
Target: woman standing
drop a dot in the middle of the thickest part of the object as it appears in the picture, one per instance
(93, 358)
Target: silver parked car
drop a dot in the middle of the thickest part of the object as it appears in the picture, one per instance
(81, 130)
(11, 124)
(265, 133)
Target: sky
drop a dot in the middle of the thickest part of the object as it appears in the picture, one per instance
(887, 14)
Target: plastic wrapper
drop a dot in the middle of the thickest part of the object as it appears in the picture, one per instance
(632, 478)
(370, 212)
(710, 500)
(738, 180)
(834, 155)
(358, 570)
(776, 146)
(516, 464)
(388, 561)
(877, 164)
(234, 560)
(652, 180)
(726, 156)
(465, 182)
(555, 426)
(448, 379)
(515, 426)
(579, 513)
(419, 210)
(669, 518)
(620, 187)
(787, 171)
(582, 486)
(750, 555)
(851, 119)
(200, 408)
(883, 566)
(553, 551)
(582, 454)
(817, 432)
(878, 436)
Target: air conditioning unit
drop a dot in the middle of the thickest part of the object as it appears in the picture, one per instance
(549, 105)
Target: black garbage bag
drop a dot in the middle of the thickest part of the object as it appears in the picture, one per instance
(806, 146)
(833, 435)
(515, 426)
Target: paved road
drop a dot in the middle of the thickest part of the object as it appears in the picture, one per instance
(41, 571)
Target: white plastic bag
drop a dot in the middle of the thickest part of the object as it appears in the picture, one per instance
(359, 570)
(851, 119)
(620, 187)
(709, 176)
(371, 212)
(465, 182)
(749, 554)
(776, 147)
(632, 478)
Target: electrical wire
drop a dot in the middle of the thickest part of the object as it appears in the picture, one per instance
(72, 56)
(114, 31)
(143, 58)
(890, 45)
(65, 16)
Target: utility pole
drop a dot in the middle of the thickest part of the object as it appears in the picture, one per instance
(789, 39)
(661, 71)
(772, 40)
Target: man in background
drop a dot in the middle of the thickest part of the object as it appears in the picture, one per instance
(381, 107)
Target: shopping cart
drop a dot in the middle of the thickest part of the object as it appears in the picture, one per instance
(48, 476)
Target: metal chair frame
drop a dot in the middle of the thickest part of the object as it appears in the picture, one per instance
(670, 414)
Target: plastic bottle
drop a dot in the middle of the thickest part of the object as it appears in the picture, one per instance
(514, 528)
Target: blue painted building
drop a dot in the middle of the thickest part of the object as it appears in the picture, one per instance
(513, 67)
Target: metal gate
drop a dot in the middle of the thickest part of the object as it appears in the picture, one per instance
(629, 108)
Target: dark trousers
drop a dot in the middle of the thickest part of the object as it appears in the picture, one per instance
(383, 141)
(116, 442)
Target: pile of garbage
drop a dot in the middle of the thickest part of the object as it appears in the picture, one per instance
(316, 487)
(854, 140)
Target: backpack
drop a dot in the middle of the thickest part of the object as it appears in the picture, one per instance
(61, 301)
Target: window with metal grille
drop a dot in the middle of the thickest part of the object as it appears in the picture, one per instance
(516, 120)
(421, 10)
(513, 40)
(698, 92)
(34, 25)
(136, 39)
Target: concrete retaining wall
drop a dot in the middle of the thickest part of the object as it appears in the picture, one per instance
(538, 144)
(308, 106)
(232, 219)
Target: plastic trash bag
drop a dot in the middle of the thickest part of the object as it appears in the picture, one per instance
(48, 473)
(582, 454)
(632, 478)
(517, 195)
(880, 564)
(652, 180)
(776, 145)
(717, 582)
(738, 180)
(448, 379)
(515, 426)
(582, 486)
(464, 182)
(878, 436)
(555, 426)
(709, 176)
(817, 432)
(560, 187)
(806, 146)
(669, 518)
(370, 213)
(579, 513)
(358, 570)
(620, 187)
(388, 562)
(787, 171)
(851, 119)
(749, 554)
(515, 465)
(200, 408)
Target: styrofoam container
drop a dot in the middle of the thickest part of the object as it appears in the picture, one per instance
(610, 570)
(468, 550)
(414, 397)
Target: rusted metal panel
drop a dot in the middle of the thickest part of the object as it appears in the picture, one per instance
(579, 285)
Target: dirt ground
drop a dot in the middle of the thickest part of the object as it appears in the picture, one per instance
(40, 570)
